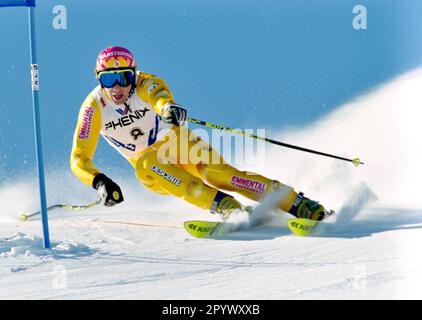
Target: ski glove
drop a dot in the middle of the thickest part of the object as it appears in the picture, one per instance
(108, 191)
(174, 114)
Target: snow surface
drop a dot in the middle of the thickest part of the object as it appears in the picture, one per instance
(139, 250)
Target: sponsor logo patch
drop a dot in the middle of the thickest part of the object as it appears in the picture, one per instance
(114, 53)
(126, 120)
(136, 133)
(124, 111)
(86, 123)
(248, 184)
(301, 226)
(167, 176)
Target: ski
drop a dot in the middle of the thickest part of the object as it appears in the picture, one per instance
(201, 229)
(302, 227)
(258, 216)
(212, 229)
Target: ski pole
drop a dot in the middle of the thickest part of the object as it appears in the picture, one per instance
(355, 161)
(25, 217)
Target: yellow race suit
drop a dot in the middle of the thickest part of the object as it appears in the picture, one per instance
(134, 129)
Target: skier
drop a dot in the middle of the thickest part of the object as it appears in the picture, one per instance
(129, 108)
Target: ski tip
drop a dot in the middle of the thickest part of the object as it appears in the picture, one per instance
(200, 229)
(23, 217)
(187, 226)
(301, 227)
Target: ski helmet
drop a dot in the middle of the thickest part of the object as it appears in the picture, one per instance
(115, 58)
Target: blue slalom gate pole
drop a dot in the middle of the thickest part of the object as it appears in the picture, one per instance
(36, 106)
(37, 126)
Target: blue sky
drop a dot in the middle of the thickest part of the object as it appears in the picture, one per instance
(249, 64)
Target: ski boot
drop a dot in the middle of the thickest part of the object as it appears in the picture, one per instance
(225, 204)
(309, 209)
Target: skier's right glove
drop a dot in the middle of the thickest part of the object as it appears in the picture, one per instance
(108, 191)
(174, 114)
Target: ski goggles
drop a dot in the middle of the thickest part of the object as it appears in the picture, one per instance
(123, 77)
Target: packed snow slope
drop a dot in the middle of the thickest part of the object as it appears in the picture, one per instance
(139, 250)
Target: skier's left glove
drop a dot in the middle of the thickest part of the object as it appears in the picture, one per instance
(108, 191)
(174, 114)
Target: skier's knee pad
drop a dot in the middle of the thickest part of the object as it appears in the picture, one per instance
(144, 163)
